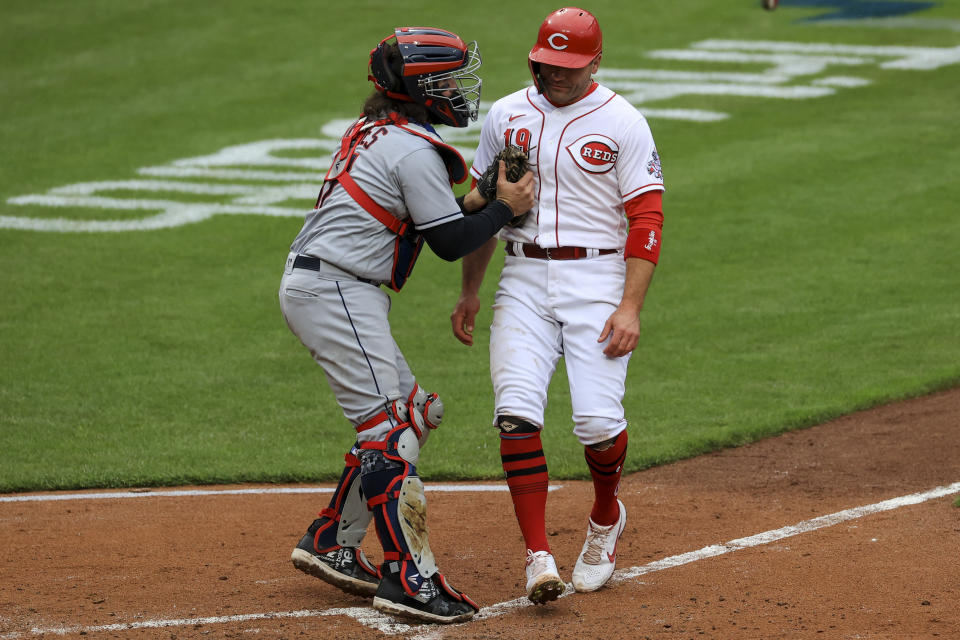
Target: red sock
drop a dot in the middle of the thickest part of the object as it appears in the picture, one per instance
(606, 467)
(527, 477)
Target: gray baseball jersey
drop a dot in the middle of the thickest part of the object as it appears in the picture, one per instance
(338, 316)
(402, 172)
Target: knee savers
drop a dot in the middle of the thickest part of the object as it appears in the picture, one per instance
(429, 405)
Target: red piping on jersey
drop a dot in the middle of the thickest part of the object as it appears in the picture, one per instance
(556, 163)
(627, 196)
(543, 118)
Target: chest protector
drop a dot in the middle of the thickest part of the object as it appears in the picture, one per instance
(408, 243)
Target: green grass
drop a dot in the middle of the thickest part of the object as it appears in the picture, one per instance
(809, 265)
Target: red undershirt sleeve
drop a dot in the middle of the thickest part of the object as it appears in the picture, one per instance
(645, 215)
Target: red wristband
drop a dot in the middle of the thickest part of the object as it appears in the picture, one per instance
(643, 243)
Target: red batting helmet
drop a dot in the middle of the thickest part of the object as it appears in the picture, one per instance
(569, 37)
(432, 67)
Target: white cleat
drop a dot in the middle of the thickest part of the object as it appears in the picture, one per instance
(543, 580)
(598, 558)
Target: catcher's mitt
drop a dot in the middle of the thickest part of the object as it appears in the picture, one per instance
(517, 164)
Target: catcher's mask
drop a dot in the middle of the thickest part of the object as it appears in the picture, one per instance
(569, 38)
(432, 67)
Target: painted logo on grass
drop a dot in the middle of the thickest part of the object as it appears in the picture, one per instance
(859, 9)
(281, 177)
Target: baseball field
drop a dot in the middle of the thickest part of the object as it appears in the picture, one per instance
(799, 357)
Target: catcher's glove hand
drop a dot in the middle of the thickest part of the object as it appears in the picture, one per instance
(516, 165)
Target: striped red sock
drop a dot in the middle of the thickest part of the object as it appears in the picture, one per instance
(526, 471)
(606, 467)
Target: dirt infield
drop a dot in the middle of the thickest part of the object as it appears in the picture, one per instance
(691, 563)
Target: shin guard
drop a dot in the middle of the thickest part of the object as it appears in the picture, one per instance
(344, 522)
(395, 496)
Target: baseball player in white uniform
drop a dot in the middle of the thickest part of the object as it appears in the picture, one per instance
(388, 191)
(573, 282)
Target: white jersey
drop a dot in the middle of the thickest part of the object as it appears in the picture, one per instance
(588, 158)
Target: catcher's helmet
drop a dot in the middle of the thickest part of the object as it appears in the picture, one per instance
(569, 37)
(432, 67)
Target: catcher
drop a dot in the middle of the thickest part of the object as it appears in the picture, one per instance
(387, 192)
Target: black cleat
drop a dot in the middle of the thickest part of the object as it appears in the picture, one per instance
(435, 602)
(344, 567)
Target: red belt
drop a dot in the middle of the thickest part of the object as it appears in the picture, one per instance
(530, 250)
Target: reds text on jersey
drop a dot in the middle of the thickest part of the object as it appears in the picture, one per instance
(588, 158)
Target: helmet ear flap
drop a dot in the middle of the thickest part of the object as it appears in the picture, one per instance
(386, 67)
(394, 69)
(535, 72)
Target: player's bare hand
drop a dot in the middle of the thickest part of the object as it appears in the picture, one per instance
(516, 195)
(622, 333)
(464, 318)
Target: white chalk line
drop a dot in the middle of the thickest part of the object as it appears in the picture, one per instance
(178, 493)
(389, 626)
(358, 613)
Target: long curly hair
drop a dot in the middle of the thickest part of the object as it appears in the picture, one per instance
(378, 105)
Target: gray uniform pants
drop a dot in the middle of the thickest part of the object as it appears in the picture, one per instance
(344, 324)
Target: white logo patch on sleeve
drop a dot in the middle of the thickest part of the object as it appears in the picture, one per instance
(653, 166)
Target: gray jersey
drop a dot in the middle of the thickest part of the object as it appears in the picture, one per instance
(405, 174)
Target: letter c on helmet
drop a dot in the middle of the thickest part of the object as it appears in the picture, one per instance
(554, 44)
(568, 38)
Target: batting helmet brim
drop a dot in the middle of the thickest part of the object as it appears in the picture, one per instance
(541, 55)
